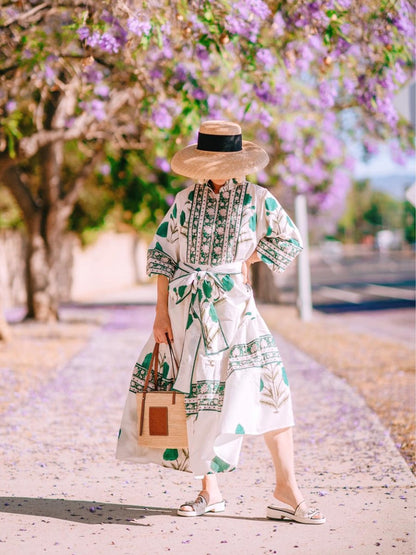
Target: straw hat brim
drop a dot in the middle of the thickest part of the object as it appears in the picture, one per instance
(204, 164)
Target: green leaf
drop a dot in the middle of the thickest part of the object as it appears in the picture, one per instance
(253, 222)
(213, 313)
(146, 360)
(240, 430)
(174, 211)
(227, 282)
(284, 376)
(207, 288)
(271, 204)
(218, 465)
(247, 199)
(191, 196)
(158, 247)
(181, 290)
(162, 230)
(182, 218)
(266, 259)
(170, 454)
(261, 384)
(189, 322)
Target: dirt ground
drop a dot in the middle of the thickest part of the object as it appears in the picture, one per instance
(381, 370)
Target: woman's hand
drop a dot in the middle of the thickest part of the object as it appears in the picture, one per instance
(162, 326)
(245, 267)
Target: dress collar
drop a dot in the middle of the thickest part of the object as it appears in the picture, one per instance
(229, 184)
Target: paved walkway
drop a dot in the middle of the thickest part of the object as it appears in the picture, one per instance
(62, 491)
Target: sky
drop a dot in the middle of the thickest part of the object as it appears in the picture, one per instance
(382, 164)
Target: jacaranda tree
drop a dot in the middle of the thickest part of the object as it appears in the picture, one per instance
(87, 80)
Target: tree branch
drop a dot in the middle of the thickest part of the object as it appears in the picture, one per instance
(67, 202)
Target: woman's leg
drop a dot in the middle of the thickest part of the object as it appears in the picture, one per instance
(280, 444)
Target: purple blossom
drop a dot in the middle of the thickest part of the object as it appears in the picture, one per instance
(94, 39)
(109, 43)
(97, 109)
(327, 93)
(386, 108)
(332, 146)
(102, 90)
(265, 118)
(156, 73)
(286, 131)
(264, 93)
(49, 74)
(315, 42)
(349, 85)
(180, 73)
(304, 57)
(337, 191)
(399, 74)
(162, 118)
(266, 58)
(11, 106)
(199, 94)
(93, 75)
(170, 199)
(104, 169)
(162, 164)
(262, 177)
(245, 18)
(294, 163)
(138, 26)
(83, 33)
(315, 172)
(278, 25)
(370, 146)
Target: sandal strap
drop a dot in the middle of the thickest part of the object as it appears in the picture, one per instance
(198, 505)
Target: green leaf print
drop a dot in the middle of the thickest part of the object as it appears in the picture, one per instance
(266, 259)
(269, 231)
(247, 199)
(240, 430)
(146, 360)
(207, 287)
(189, 322)
(289, 221)
(158, 247)
(170, 454)
(227, 282)
(213, 313)
(271, 204)
(174, 211)
(119, 433)
(253, 222)
(182, 218)
(162, 230)
(165, 369)
(191, 196)
(261, 384)
(218, 465)
(181, 290)
(284, 376)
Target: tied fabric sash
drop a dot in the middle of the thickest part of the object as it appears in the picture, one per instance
(202, 287)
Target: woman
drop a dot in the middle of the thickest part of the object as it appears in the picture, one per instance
(229, 366)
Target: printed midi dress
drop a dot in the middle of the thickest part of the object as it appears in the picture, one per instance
(230, 368)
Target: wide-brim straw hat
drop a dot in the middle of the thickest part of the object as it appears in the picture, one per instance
(220, 153)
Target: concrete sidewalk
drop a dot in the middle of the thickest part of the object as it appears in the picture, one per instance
(62, 491)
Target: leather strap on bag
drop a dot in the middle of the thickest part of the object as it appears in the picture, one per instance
(154, 365)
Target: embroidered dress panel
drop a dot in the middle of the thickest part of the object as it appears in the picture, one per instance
(230, 368)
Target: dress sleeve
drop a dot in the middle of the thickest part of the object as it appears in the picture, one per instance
(163, 252)
(279, 240)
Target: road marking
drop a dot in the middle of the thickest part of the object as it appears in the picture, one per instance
(391, 292)
(341, 294)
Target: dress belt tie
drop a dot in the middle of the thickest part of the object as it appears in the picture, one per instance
(204, 287)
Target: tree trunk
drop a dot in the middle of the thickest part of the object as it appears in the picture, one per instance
(41, 274)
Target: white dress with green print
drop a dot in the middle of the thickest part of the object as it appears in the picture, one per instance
(230, 368)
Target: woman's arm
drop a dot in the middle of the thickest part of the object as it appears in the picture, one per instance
(162, 324)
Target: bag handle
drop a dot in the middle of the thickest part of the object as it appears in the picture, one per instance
(173, 357)
(154, 363)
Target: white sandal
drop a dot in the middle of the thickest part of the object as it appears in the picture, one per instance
(200, 507)
(305, 516)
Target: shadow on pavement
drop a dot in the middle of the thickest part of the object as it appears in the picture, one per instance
(91, 512)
